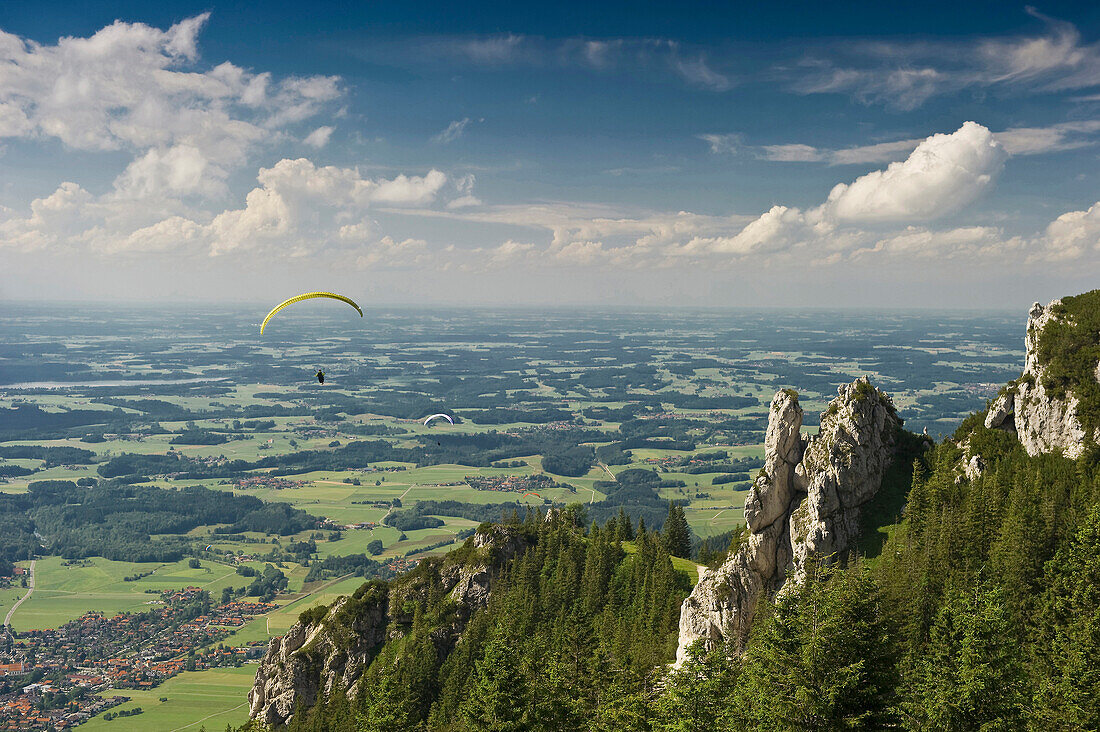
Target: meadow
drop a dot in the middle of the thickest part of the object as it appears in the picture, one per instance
(211, 698)
(64, 591)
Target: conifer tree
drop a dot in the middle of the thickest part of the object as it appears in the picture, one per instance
(1069, 697)
(626, 526)
(623, 704)
(497, 698)
(697, 696)
(823, 658)
(384, 705)
(677, 533)
(971, 676)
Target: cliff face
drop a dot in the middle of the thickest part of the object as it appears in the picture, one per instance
(806, 501)
(312, 656)
(321, 650)
(1043, 422)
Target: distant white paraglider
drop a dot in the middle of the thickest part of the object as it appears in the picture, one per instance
(438, 416)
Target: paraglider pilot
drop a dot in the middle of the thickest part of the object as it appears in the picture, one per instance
(320, 376)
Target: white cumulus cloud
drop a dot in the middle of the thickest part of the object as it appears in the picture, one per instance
(943, 174)
(136, 88)
(1072, 235)
(297, 208)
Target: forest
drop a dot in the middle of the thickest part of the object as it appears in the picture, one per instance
(115, 521)
(573, 640)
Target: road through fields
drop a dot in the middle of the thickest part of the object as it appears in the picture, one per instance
(30, 589)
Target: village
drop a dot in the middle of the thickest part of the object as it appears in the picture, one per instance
(511, 483)
(264, 481)
(53, 679)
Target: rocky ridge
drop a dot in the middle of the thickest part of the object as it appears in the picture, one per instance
(329, 648)
(1041, 421)
(805, 502)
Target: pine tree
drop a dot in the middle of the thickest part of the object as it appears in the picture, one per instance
(1019, 552)
(696, 697)
(971, 676)
(823, 658)
(677, 533)
(626, 526)
(1069, 696)
(497, 699)
(384, 705)
(623, 704)
(338, 716)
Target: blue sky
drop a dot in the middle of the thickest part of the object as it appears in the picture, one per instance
(613, 153)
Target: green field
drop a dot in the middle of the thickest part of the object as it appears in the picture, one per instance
(212, 698)
(709, 521)
(63, 593)
(10, 596)
(279, 621)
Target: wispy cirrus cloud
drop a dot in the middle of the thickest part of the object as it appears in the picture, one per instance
(698, 72)
(792, 153)
(899, 74)
(654, 57)
(906, 74)
(319, 137)
(724, 143)
(452, 132)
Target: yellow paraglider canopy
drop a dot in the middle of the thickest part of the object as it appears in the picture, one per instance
(308, 296)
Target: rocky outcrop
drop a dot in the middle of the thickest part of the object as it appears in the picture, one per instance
(331, 648)
(1042, 421)
(1000, 412)
(974, 467)
(804, 503)
(783, 445)
(315, 654)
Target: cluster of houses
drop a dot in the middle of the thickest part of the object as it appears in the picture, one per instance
(511, 483)
(672, 461)
(266, 481)
(93, 653)
(548, 427)
(224, 656)
(401, 564)
(24, 711)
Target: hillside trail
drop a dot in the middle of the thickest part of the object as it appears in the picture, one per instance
(607, 470)
(30, 589)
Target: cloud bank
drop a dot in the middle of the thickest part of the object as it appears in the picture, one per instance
(143, 91)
